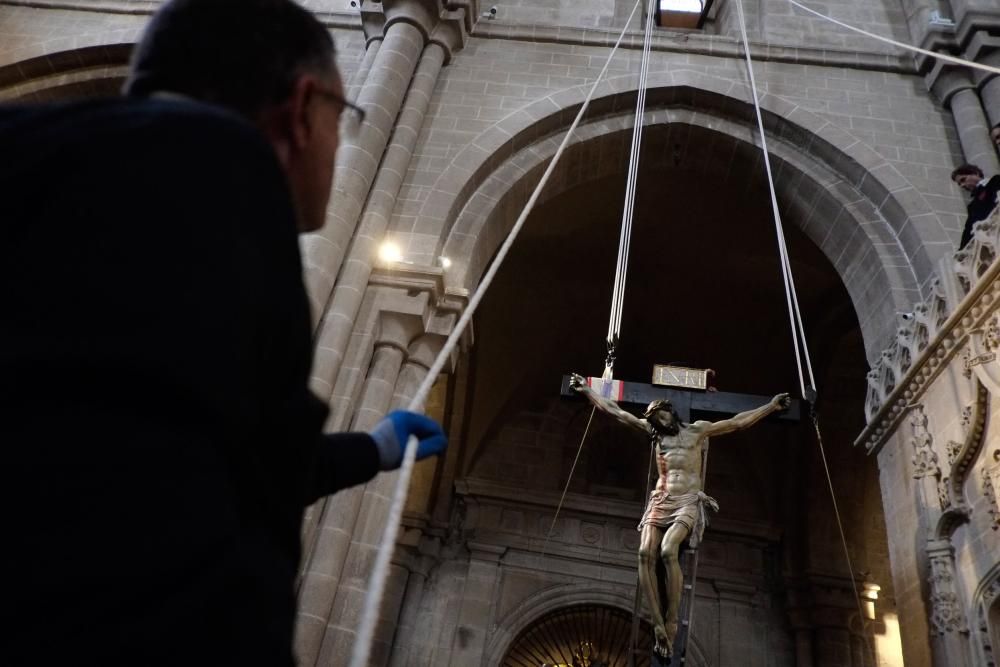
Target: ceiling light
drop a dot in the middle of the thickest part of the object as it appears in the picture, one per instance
(389, 252)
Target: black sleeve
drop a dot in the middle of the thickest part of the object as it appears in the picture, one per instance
(343, 460)
(994, 187)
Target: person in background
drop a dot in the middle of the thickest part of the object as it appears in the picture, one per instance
(983, 193)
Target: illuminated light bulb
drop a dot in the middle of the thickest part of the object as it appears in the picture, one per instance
(389, 252)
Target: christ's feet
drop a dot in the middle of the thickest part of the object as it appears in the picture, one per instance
(664, 645)
(670, 628)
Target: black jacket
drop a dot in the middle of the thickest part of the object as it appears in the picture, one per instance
(159, 441)
(981, 204)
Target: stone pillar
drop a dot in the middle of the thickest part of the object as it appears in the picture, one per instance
(743, 645)
(974, 131)
(956, 89)
(338, 322)
(477, 604)
(361, 74)
(803, 647)
(408, 618)
(319, 584)
(367, 534)
(985, 48)
(357, 162)
(949, 628)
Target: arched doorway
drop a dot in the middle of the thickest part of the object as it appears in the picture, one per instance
(584, 635)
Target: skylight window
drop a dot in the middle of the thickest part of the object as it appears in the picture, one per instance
(682, 13)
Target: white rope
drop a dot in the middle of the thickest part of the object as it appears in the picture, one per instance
(380, 570)
(794, 317)
(794, 313)
(902, 45)
(625, 237)
(562, 498)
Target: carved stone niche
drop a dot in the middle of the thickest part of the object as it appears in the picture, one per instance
(961, 456)
(946, 607)
(991, 488)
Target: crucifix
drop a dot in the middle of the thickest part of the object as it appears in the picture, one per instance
(677, 509)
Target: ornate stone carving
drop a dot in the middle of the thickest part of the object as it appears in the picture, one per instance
(925, 461)
(989, 590)
(953, 448)
(944, 496)
(946, 607)
(961, 455)
(590, 533)
(989, 490)
(963, 298)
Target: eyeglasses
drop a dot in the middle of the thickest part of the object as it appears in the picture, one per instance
(351, 115)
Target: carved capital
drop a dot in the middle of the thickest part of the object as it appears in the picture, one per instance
(446, 24)
(946, 607)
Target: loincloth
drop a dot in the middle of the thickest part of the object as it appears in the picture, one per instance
(664, 510)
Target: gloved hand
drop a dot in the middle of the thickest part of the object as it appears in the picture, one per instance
(390, 436)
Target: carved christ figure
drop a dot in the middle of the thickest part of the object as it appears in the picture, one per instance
(676, 510)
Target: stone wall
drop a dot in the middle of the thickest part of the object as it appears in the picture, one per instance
(938, 453)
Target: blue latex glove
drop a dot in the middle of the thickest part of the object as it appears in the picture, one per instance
(390, 436)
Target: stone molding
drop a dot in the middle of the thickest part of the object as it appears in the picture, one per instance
(956, 511)
(964, 297)
(548, 600)
(708, 45)
(991, 488)
(986, 595)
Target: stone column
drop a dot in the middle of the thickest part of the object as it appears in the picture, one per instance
(974, 131)
(803, 647)
(335, 329)
(956, 89)
(357, 162)
(367, 534)
(477, 604)
(408, 618)
(361, 75)
(985, 48)
(744, 645)
(319, 584)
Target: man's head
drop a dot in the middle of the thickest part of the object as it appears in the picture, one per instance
(270, 61)
(663, 417)
(967, 176)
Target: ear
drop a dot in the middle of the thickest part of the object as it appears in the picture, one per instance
(289, 125)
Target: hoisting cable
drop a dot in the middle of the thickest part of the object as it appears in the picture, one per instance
(909, 47)
(623, 244)
(628, 211)
(796, 318)
(380, 570)
(562, 498)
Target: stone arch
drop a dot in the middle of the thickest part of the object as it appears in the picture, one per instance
(557, 597)
(986, 612)
(89, 70)
(877, 208)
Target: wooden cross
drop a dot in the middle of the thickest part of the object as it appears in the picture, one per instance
(712, 405)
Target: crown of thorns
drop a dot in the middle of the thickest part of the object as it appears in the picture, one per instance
(657, 405)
